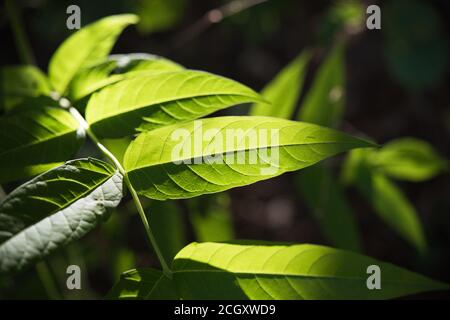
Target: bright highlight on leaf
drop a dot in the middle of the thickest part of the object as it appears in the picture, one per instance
(54, 209)
(152, 101)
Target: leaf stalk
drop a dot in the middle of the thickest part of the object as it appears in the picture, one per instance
(150, 236)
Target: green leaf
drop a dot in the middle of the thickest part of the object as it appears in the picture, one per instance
(17, 83)
(216, 154)
(409, 159)
(284, 90)
(326, 199)
(324, 102)
(135, 284)
(54, 209)
(159, 15)
(34, 139)
(244, 271)
(114, 69)
(143, 283)
(386, 198)
(86, 47)
(152, 101)
(267, 271)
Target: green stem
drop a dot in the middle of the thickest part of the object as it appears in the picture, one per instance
(47, 280)
(23, 46)
(130, 187)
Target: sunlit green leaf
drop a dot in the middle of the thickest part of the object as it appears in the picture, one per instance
(284, 90)
(86, 47)
(216, 154)
(287, 272)
(409, 159)
(17, 83)
(266, 271)
(114, 69)
(33, 140)
(152, 101)
(54, 209)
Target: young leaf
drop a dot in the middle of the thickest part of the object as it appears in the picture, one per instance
(409, 159)
(114, 69)
(284, 90)
(135, 284)
(216, 154)
(324, 102)
(152, 101)
(386, 198)
(272, 271)
(86, 47)
(18, 83)
(34, 139)
(325, 197)
(54, 209)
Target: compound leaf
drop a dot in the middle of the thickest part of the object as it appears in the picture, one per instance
(86, 47)
(216, 154)
(54, 209)
(152, 101)
(33, 140)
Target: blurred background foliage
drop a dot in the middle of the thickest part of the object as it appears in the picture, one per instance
(392, 85)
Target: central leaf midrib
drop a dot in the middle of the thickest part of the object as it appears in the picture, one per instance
(238, 150)
(107, 116)
(59, 135)
(293, 275)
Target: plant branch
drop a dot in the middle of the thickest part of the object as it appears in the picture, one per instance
(23, 46)
(64, 102)
(212, 17)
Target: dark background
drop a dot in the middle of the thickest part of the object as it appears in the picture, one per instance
(387, 96)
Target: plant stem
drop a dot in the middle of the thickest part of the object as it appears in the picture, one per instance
(23, 46)
(130, 187)
(47, 280)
